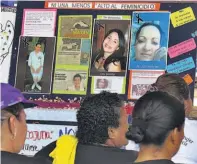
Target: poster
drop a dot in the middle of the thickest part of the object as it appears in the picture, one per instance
(72, 55)
(35, 64)
(149, 44)
(140, 81)
(111, 84)
(110, 45)
(39, 135)
(8, 15)
(39, 22)
(68, 80)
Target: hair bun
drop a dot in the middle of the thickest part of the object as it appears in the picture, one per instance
(136, 134)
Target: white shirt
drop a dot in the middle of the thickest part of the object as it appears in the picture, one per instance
(72, 88)
(187, 153)
(188, 150)
(36, 59)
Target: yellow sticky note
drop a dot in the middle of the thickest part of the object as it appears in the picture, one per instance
(182, 17)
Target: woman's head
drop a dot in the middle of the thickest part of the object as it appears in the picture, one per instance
(102, 120)
(102, 83)
(176, 86)
(13, 128)
(148, 41)
(158, 120)
(13, 118)
(114, 40)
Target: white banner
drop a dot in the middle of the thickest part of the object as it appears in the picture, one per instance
(39, 135)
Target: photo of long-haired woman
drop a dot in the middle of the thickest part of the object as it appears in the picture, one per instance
(109, 47)
(149, 41)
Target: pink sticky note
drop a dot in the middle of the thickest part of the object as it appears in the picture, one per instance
(182, 48)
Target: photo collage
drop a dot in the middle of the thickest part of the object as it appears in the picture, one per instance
(105, 48)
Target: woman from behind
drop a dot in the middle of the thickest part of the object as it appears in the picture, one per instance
(174, 85)
(157, 125)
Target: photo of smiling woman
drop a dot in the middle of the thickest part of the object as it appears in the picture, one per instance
(149, 41)
(110, 47)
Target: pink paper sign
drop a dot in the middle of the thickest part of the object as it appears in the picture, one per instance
(182, 48)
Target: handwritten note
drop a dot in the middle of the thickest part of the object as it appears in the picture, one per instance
(182, 48)
(181, 66)
(188, 79)
(182, 17)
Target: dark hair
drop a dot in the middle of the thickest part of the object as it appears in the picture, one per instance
(174, 85)
(155, 114)
(149, 24)
(105, 82)
(14, 110)
(77, 75)
(118, 55)
(97, 113)
(38, 43)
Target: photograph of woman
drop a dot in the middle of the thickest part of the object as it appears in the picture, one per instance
(148, 43)
(102, 83)
(149, 40)
(110, 48)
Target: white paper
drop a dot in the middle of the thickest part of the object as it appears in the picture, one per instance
(8, 16)
(39, 22)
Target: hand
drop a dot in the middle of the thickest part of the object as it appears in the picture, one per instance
(33, 70)
(38, 70)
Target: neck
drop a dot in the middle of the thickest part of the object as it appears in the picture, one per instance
(7, 146)
(106, 55)
(110, 143)
(77, 86)
(152, 152)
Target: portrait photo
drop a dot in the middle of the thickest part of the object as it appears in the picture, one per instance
(109, 47)
(149, 43)
(108, 83)
(70, 81)
(35, 64)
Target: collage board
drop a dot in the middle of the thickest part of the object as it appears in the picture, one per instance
(61, 53)
(86, 54)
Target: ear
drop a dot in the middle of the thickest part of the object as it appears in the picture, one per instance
(13, 125)
(175, 135)
(112, 133)
(117, 48)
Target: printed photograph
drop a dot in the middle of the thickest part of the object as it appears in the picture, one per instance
(35, 64)
(85, 52)
(109, 47)
(106, 83)
(140, 82)
(68, 51)
(70, 45)
(149, 43)
(70, 81)
(103, 84)
(75, 26)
